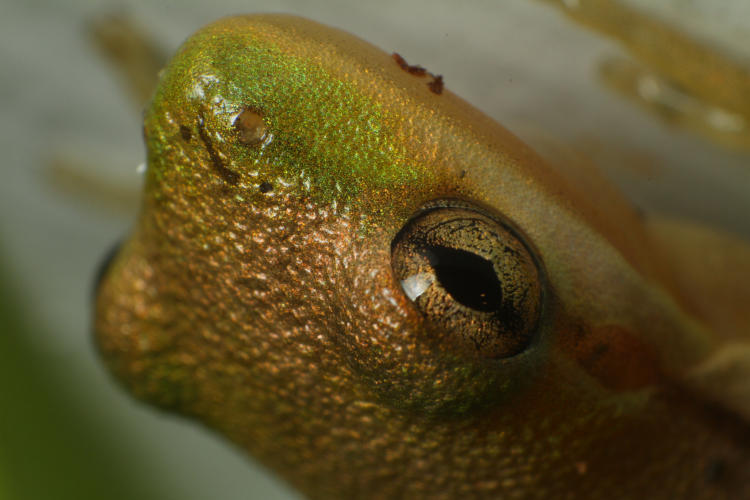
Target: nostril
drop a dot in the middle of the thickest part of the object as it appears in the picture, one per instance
(104, 266)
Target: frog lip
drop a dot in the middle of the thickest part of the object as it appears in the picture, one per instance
(103, 267)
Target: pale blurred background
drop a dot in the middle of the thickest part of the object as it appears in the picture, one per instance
(66, 430)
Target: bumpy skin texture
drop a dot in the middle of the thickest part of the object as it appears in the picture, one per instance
(257, 295)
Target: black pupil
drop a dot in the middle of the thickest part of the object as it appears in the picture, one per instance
(469, 278)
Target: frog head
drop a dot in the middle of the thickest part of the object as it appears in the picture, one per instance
(378, 290)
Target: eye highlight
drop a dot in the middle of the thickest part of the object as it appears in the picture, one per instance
(472, 277)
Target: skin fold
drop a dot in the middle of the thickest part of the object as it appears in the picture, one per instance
(260, 291)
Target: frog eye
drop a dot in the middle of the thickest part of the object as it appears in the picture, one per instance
(471, 275)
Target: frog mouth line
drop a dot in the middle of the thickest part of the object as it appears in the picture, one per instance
(103, 268)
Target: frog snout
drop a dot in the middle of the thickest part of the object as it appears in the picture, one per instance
(104, 266)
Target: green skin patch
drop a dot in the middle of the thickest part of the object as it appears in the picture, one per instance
(351, 146)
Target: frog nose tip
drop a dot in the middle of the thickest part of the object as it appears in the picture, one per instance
(104, 266)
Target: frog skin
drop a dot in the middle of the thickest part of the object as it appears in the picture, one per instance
(379, 292)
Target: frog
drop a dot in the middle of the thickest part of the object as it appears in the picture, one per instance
(378, 291)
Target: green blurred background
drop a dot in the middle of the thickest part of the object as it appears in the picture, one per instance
(66, 430)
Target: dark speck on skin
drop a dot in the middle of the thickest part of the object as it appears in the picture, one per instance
(436, 85)
(185, 133)
(411, 69)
